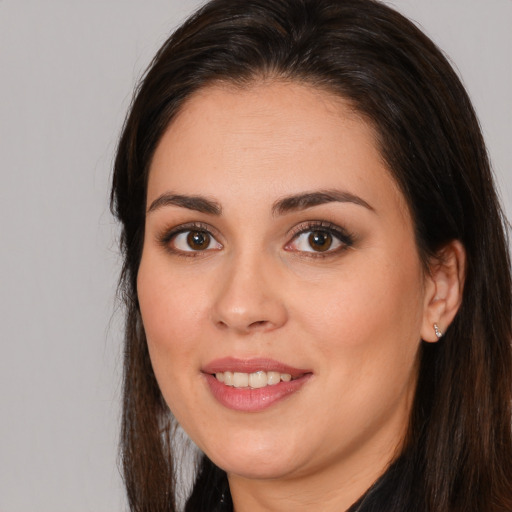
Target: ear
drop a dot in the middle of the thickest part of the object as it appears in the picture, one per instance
(444, 285)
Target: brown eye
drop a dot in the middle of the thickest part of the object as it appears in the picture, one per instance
(320, 240)
(193, 241)
(198, 240)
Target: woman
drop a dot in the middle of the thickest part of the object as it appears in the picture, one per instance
(316, 274)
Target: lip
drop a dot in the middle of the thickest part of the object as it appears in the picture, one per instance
(232, 364)
(248, 399)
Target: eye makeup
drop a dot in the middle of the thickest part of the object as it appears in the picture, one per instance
(203, 236)
(325, 239)
(313, 239)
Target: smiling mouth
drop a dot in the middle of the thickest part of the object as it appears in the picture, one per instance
(254, 380)
(252, 385)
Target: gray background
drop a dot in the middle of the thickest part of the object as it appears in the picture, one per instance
(68, 68)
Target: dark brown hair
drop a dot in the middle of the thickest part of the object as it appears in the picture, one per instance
(459, 451)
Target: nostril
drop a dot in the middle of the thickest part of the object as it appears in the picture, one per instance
(259, 323)
(248, 327)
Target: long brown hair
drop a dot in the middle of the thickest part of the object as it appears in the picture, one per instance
(459, 451)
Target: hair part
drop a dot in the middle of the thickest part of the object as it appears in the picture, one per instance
(458, 455)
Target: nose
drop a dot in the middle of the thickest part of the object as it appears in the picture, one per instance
(249, 297)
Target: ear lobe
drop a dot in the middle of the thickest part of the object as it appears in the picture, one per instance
(443, 290)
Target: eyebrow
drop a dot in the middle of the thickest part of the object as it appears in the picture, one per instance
(310, 199)
(280, 207)
(197, 203)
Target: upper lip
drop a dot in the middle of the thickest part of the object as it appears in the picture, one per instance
(232, 364)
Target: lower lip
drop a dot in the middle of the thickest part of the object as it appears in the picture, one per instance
(253, 400)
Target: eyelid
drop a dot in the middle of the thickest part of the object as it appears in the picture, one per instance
(165, 237)
(345, 237)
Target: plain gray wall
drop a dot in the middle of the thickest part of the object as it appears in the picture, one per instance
(68, 68)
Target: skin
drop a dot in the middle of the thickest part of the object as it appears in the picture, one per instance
(354, 315)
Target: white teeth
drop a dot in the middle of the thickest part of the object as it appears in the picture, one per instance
(254, 380)
(273, 378)
(228, 378)
(240, 380)
(258, 380)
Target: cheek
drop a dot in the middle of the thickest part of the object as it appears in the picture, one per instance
(171, 310)
(367, 334)
(169, 301)
(370, 317)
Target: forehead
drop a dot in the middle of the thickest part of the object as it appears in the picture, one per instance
(285, 136)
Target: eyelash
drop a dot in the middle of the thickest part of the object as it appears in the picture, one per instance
(167, 237)
(345, 238)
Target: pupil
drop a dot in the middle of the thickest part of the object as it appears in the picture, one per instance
(198, 240)
(320, 240)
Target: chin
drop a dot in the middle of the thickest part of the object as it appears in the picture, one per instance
(257, 470)
(269, 460)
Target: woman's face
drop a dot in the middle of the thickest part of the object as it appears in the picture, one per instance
(279, 254)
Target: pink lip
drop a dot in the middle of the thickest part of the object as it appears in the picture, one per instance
(232, 364)
(248, 399)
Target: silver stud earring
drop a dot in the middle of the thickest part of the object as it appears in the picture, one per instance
(439, 334)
